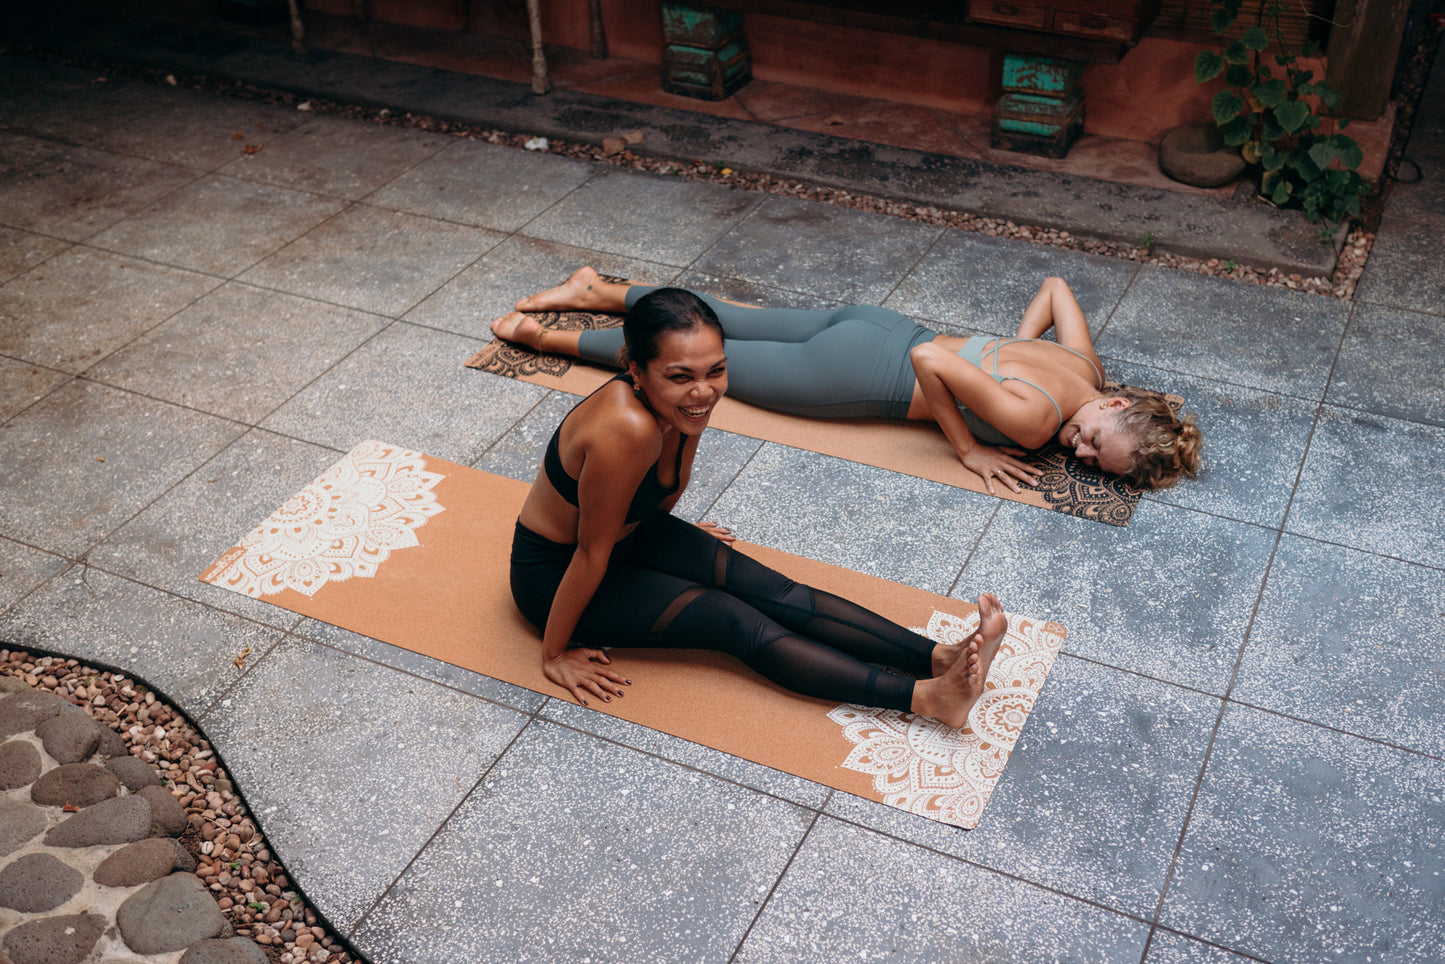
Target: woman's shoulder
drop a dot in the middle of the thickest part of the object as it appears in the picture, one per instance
(612, 417)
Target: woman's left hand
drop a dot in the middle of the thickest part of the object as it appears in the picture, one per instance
(1003, 464)
(722, 534)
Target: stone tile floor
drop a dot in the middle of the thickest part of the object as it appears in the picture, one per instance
(1240, 754)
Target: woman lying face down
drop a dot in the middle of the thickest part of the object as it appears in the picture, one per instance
(992, 397)
(599, 560)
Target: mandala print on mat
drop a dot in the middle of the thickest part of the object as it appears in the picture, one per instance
(924, 767)
(342, 526)
(515, 361)
(1068, 485)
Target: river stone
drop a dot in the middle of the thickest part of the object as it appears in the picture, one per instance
(12, 684)
(67, 939)
(168, 817)
(237, 950)
(112, 744)
(137, 863)
(1196, 154)
(168, 915)
(38, 882)
(117, 821)
(133, 772)
(21, 712)
(19, 764)
(19, 822)
(82, 784)
(69, 737)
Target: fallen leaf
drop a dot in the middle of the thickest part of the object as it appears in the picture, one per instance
(252, 148)
(100, 458)
(70, 807)
(238, 136)
(240, 661)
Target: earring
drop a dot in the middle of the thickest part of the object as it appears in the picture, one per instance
(636, 392)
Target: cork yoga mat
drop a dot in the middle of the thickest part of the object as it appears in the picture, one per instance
(413, 551)
(911, 448)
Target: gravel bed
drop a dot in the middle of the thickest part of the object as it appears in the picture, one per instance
(250, 885)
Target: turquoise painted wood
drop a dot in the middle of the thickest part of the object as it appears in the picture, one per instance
(705, 53)
(1046, 76)
(699, 26)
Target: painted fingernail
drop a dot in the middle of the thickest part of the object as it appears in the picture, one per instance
(607, 699)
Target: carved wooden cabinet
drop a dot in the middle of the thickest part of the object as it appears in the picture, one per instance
(1120, 21)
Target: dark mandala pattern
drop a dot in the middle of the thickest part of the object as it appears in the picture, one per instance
(1069, 485)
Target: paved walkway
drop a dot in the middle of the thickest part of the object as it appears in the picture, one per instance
(1241, 747)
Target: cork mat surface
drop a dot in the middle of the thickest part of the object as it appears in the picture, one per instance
(911, 448)
(412, 550)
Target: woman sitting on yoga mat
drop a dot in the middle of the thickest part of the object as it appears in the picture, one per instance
(598, 560)
(991, 396)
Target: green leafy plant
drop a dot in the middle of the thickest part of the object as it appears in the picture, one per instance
(1306, 163)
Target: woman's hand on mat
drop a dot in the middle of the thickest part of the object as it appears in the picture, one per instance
(723, 534)
(575, 672)
(1002, 464)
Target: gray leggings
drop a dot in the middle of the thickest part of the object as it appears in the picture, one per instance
(843, 363)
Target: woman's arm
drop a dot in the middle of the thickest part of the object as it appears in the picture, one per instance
(611, 471)
(945, 379)
(1056, 307)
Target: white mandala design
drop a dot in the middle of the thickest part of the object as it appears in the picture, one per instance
(924, 767)
(342, 526)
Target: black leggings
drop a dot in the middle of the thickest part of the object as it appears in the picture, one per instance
(669, 584)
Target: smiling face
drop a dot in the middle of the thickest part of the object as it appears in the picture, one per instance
(1094, 436)
(686, 379)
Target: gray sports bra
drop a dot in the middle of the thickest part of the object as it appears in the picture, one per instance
(973, 350)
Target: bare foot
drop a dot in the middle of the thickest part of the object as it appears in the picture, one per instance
(582, 291)
(517, 327)
(948, 698)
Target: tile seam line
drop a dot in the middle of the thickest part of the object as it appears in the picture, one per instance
(746, 463)
(1168, 878)
(1114, 309)
(360, 922)
(778, 880)
(973, 549)
(1008, 875)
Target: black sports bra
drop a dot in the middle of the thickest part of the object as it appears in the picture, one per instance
(649, 492)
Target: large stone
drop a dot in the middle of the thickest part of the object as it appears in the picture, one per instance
(22, 712)
(19, 764)
(81, 784)
(237, 950)
(19, 822)
(36, 883)
(12, 684)
(67, 939)
(1196, 154)
(169, 914)
(168, 817)
(137, 863)
(69, 737)
(112, 744)
(118, 821)
(133, 772)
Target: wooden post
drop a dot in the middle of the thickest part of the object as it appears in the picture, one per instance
(298, 35)
(599, 36)
(1364, 45)
(540, 83)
